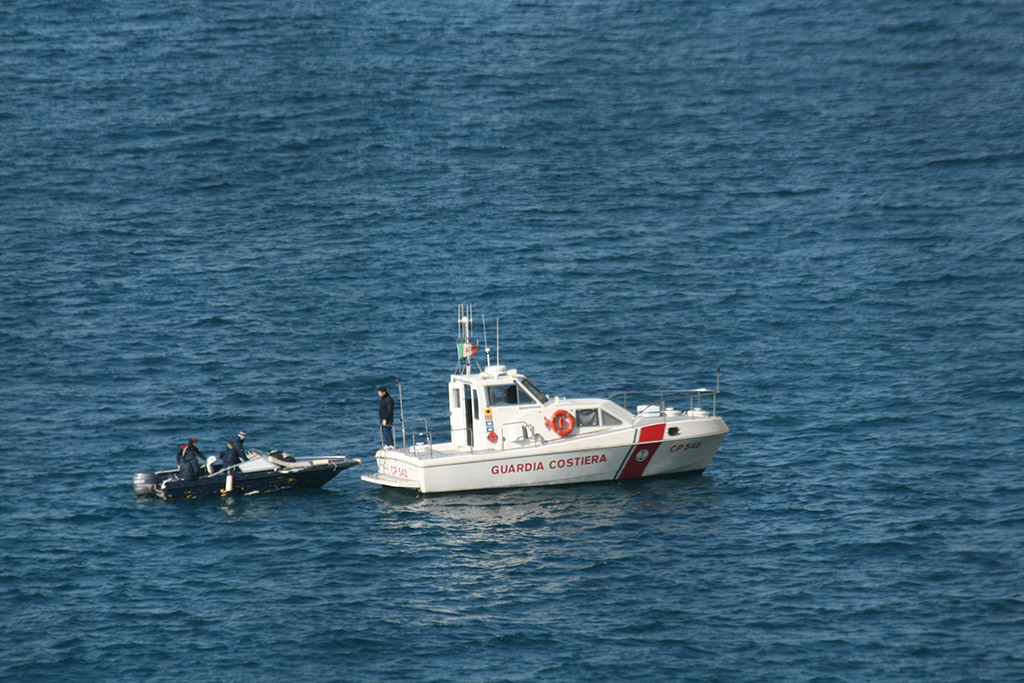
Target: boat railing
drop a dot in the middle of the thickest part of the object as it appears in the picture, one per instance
(421, 443)
(416, 441)
(643, 402)
(411, 437)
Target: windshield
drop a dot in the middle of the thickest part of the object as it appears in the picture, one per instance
(536, 393)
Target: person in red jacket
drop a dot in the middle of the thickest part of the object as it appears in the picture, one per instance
(189, 461)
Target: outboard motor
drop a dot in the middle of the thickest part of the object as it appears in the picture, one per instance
(144, 483)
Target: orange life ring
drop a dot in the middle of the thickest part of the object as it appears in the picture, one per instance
(562, 422)
(492, 437)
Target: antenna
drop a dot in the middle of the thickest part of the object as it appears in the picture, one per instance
(497, 337)
(714, 399)
(487, 349)
(465, 348)
(401, 411)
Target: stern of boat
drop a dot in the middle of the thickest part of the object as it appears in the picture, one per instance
(397, 469)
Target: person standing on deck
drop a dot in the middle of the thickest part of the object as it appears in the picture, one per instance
(236, 451)
(387, 418)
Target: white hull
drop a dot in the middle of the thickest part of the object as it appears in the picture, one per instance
(506, 432)
(630, 453)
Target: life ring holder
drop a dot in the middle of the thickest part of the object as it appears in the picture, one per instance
(562, 423)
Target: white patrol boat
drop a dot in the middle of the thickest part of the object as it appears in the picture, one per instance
(505, 432)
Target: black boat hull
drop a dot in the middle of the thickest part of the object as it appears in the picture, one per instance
(169, 487)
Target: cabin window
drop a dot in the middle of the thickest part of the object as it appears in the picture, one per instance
(500, 394)
(531, 389)
(609, 419)
(524, 396)
(455, 398)
(506, 395)
(476, 406)
(587, 417)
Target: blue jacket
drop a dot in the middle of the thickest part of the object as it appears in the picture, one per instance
(235, 452)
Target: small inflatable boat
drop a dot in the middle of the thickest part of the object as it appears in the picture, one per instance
(259, 473)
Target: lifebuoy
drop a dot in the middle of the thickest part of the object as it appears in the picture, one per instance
(492, 437)
(562, 422)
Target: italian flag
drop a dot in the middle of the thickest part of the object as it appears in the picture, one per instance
(466, 350)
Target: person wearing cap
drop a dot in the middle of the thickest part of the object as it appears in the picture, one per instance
(387, 418)
(236, 450)
(189, 459)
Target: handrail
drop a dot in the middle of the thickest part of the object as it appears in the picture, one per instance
(666, 395)
(401, 424)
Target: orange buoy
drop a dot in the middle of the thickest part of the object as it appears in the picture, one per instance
(562, 422)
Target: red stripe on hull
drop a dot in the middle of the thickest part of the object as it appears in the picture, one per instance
(643, 452)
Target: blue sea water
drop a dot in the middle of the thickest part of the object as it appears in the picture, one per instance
(243, 214)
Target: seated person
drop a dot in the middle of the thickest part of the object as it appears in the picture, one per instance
(189, 466)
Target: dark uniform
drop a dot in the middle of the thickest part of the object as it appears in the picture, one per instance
(235, 452)
(387, 417)
(189, 459)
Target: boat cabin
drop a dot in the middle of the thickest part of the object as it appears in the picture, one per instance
(499, 408)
